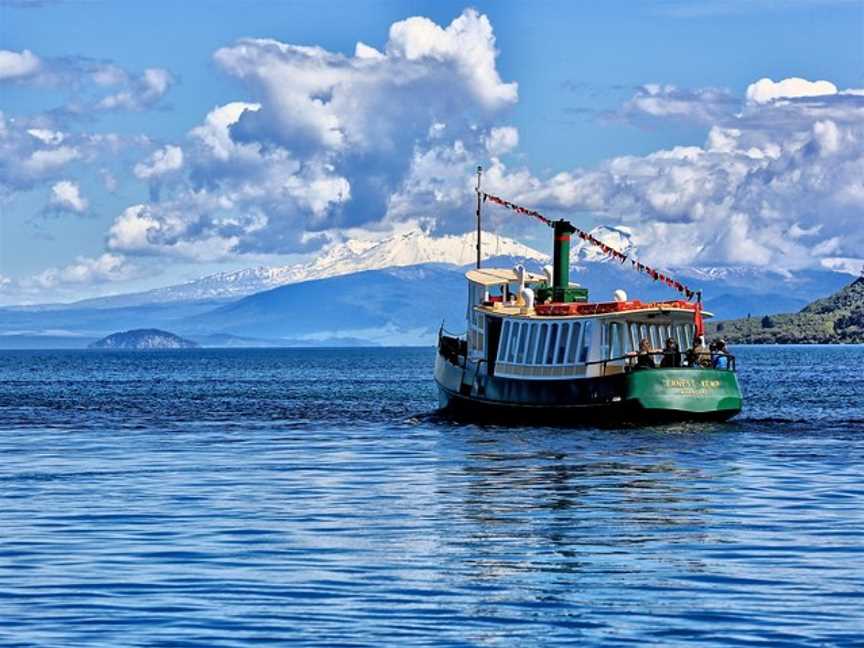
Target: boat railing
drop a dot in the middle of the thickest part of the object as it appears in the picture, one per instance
(632, 363)
(452, 347)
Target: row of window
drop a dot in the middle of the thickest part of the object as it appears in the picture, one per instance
(544, 343)
(620, 338)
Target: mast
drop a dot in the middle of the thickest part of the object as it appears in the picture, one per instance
(479, 196)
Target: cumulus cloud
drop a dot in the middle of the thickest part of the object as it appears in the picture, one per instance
(142, 229)
(766, 90)
(777, 183)
(329, 142)
(84, 271)
(66, 196)
(18, 65)
(34, 152)
(502, 140)
(86, 79)
(319, 101)
(669, 101)
(140, 93)
(163, 161)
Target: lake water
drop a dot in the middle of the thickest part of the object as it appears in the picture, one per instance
(240, 497)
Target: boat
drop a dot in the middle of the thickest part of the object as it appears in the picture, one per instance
(536, 348)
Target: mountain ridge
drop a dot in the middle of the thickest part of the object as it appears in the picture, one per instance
(836, 319)
(354, 255)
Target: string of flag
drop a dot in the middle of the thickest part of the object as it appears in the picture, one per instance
(656, 275)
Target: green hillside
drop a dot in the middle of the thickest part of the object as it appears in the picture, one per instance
(836, 319)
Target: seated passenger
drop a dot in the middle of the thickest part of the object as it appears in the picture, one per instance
(700, 354)
(720, 356)
(671, 354)
(644, 359)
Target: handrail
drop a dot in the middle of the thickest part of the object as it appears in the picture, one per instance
(632, 357)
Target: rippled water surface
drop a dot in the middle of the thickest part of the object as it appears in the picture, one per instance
(232, 498)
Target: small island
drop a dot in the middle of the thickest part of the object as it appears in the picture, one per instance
(140, 339)
(837, 319)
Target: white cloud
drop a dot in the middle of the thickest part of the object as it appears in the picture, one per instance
(49, 159)
(214, 133)
(848, 265)
(468, 42)
(767, 90)
(33, 152)
(317, 100)
(131, 229)
(66, 195)
(776, 184)
(330, 142)
(16, 65)
(143, 230)
(85, 79)
(502, 140)
(84, 271)
(165, 160)
(668, 101)
(46, 136)
(140, 93)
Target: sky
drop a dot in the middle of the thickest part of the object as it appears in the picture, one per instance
(146, 144)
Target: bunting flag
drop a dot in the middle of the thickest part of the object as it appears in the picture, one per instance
(606, 249)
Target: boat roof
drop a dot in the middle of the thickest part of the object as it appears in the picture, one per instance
(500, 276)
(644, 311)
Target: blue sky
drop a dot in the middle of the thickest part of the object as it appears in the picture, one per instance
(580, 99)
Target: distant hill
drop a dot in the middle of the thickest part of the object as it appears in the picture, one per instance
(394, 306)
(143, 339)
(838, 319)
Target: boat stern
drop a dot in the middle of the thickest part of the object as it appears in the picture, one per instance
(694, 393)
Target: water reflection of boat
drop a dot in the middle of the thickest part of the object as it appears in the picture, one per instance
(536, 347)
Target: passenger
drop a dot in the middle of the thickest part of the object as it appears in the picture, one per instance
(671, 354)
(700, 354)
(721, 356)
(644, 359)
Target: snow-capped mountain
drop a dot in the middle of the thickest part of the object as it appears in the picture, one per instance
(731, 290)
(618, 238)
(407, 249)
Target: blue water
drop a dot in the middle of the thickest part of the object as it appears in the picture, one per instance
(233, 498)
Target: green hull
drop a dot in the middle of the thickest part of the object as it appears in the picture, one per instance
(639, 396)
(696, 391)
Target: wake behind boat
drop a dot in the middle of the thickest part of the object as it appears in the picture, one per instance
(537, 348)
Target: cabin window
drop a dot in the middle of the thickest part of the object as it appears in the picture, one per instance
(523, 340)
(685, 336)
(518, 328)
(634, 335)
(655, 336)
(505, 340)
(541, 344)
(586, 340)
(690, 332)
(678, 331)
(573, 345)
(615, 340)
(532, 341)
(626, 344)
(512, 342)
(562, 343)
(550, 344)
(553, 340)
